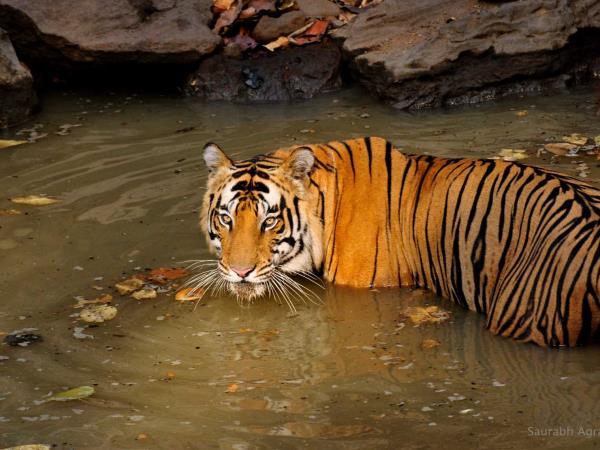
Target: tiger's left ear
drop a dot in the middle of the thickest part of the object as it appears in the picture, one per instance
(300, 163)
(215, 158)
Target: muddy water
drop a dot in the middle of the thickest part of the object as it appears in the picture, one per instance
(345, 375)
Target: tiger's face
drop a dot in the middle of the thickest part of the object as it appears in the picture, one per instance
(256, 220)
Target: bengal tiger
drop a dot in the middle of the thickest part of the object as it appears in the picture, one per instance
(519, 244)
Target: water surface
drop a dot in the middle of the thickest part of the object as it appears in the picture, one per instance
(349, 374)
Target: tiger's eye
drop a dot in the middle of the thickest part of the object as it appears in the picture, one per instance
(270, 221)
(225, 218)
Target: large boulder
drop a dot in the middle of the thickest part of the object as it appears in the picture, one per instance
(424, 53)
(288, 74)
(17, 96)
(110, 31)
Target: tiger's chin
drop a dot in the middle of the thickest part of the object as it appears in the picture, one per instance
(246, 292)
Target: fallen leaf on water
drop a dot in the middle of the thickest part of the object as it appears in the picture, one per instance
(575, 138)
(522, 113)
(281, 41)
(29, 447)
(232, 388)
(141, 437)
(34, 200)
(422, 315)
(170, 375)
(189, 294)
(430, 343)
(513, 154)
(129, 285)
(162, 275)
(4, 143)
(72, 394)
(144, 294)
(106, 298)
(10, 212)
(560, 148)
(98, 313)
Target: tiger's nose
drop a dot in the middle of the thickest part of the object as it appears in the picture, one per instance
(242, 271)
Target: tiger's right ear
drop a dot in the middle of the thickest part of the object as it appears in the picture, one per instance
(215, 158)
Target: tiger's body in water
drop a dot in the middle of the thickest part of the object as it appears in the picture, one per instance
(519, 244)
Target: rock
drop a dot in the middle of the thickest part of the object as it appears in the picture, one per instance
(427, 53)
(110, 31)
(286, 74)
(17, 96)
(318, 8)
(270, 28)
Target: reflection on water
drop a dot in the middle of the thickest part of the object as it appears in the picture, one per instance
(345, 375)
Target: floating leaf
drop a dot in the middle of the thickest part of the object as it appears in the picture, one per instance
(34, 200)
(128, 286)
(29, 447)
(422, 315)
(106, 298)
(522, 113)
(513, 154)
(98, 313)
(232, 388)
(162, 275)
(72, 394)
(144, 294)
(429, 343)
(189, 294)
(10, 212)
(560, 148)
(281, 41)
(576, 139)
(4, 143)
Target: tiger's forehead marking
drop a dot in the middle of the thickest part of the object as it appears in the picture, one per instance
(253, 185)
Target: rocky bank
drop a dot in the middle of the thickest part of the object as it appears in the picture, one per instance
(412, 53)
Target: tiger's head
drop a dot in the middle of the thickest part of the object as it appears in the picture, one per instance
(257, 219)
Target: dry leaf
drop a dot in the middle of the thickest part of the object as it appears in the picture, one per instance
(10, 212)
(141, 437)
(222, 5)
(430, 343)
(189, 294)
(312, 33)
(281, 41)
(228, 17)
(162, 275)
(4, 143)
(72, 394)
(98, 313)
(560, 148)
(144, 294)
(34, 200)
(129, 285)
(576, 139)
(232, 388)
(422, 315)
(106, 298)
(29, 447)
(170, 375)
(521, 113)
(597, 140)
(512, 154)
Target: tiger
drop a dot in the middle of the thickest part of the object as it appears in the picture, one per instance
(518, 243)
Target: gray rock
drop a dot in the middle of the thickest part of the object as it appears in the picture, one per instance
(110, 31)
(288, 74)
(270, 28)
(17, 96)
(424, 53)
(318, 8)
